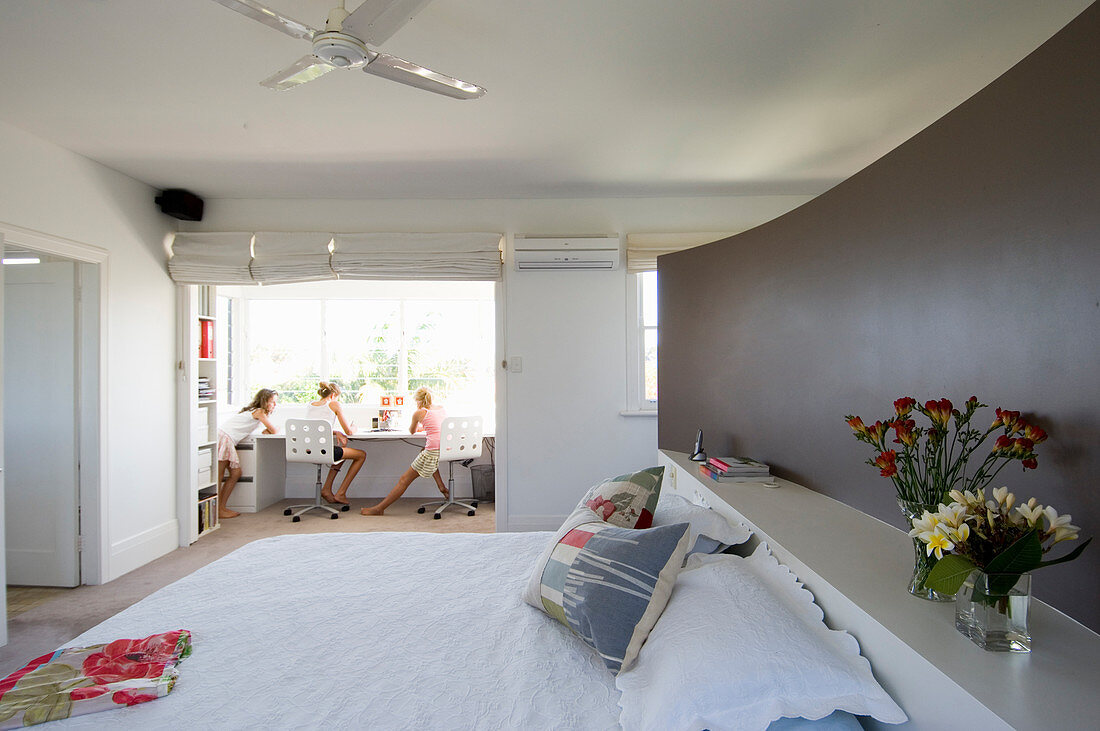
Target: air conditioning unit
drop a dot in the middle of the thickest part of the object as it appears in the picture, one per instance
(593, 251)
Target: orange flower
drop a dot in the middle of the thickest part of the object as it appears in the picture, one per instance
(857, 425)
(904, 405)
(1023, 447)
(1006, 419)
(1035, 434)
(1030, 463)
(877, 430)
(1004, 443)
(939, 412)
(906, 434)
(886, 463)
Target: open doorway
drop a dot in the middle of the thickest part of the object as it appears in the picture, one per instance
(50, 411)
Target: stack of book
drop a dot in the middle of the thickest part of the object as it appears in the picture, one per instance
(737, 469)
(206, 389)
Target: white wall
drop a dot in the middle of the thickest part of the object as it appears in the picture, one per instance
(562, 427)
(53, 191)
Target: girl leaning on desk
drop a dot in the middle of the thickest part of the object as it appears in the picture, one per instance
(328, 408)
(230, 433)
(429, 418)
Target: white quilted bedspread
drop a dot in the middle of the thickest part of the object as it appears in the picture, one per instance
(366, 630)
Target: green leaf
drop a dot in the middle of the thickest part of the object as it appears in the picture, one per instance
(1068, 557)
(49, 708)
(1025, 554)
(949, 573)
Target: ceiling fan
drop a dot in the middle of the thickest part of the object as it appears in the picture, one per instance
(343, 45)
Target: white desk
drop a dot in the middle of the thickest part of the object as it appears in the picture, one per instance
(857, 567)
(269, 482)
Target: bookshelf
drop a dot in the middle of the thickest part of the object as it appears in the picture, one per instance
(197, 486)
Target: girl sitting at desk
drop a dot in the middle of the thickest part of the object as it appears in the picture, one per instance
(329, 409)
(426, 463)
(230, 433)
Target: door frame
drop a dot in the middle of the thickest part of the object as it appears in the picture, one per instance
(92, 388)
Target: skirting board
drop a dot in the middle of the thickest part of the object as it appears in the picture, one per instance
(525, 523)
(135, 552)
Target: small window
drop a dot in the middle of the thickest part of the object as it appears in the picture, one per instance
(642, 341)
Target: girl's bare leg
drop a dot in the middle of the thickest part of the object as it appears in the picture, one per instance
(358, 457)
(225, 489)
(439, 483)
(326, 489)
(397, 491)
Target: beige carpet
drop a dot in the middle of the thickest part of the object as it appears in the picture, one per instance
(50, 624)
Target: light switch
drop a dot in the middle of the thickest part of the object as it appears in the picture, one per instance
(515, 364)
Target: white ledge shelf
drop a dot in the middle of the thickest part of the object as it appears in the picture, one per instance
(858, 567)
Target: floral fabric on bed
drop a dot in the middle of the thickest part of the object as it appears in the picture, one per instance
(79, 680)
(627, 501)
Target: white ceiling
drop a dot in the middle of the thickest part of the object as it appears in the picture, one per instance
(585, 98)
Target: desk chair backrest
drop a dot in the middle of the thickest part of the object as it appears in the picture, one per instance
(309, 440)
(460, 438)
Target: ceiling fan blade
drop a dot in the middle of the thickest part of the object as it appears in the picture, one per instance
(406, 72)
(374, 21)
(307, 68)
(270, 18)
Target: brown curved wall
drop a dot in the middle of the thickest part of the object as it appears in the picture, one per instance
(965, 262)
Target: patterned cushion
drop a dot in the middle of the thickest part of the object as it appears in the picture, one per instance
(627, 501)
(608, 584)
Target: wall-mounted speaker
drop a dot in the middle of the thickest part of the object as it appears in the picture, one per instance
(181, 204)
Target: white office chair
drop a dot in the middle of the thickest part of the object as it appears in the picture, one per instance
(310, 440)
(459, 440)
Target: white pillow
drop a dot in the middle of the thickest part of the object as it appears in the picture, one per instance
(710, 531)
(741, 644)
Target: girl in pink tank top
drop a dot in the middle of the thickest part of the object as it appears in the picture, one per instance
(426, 463)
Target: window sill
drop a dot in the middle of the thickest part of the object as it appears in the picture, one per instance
(647, 412)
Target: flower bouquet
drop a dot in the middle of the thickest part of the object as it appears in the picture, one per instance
(929, 461)
(987, 549)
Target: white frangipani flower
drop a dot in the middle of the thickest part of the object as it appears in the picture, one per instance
(1055, 520)
(1065, 533)
(924, 524)
(937, 541)
(953, 515)
(1030, 514)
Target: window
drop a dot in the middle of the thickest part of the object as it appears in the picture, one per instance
(647, 295)
(642, 341)
(409, 334)
(223, 349)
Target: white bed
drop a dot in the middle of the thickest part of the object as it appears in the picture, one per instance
(373, 630)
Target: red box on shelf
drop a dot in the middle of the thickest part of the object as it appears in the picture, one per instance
(206, 338)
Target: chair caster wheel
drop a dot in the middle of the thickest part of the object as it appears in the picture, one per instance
(296, 519)
(335, 516)
(474, 503)
(470, 512)
(420, 510)
(437, 516)
(344, 509)
(288, 511)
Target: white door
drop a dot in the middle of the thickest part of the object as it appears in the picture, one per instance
(3, 571)
(40, 433)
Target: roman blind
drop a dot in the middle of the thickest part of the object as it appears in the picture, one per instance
(642, 250)
(211, 258)
(273, 257)
(281, 257)
(417, 256)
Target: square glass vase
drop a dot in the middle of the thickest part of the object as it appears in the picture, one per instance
(992, 610)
